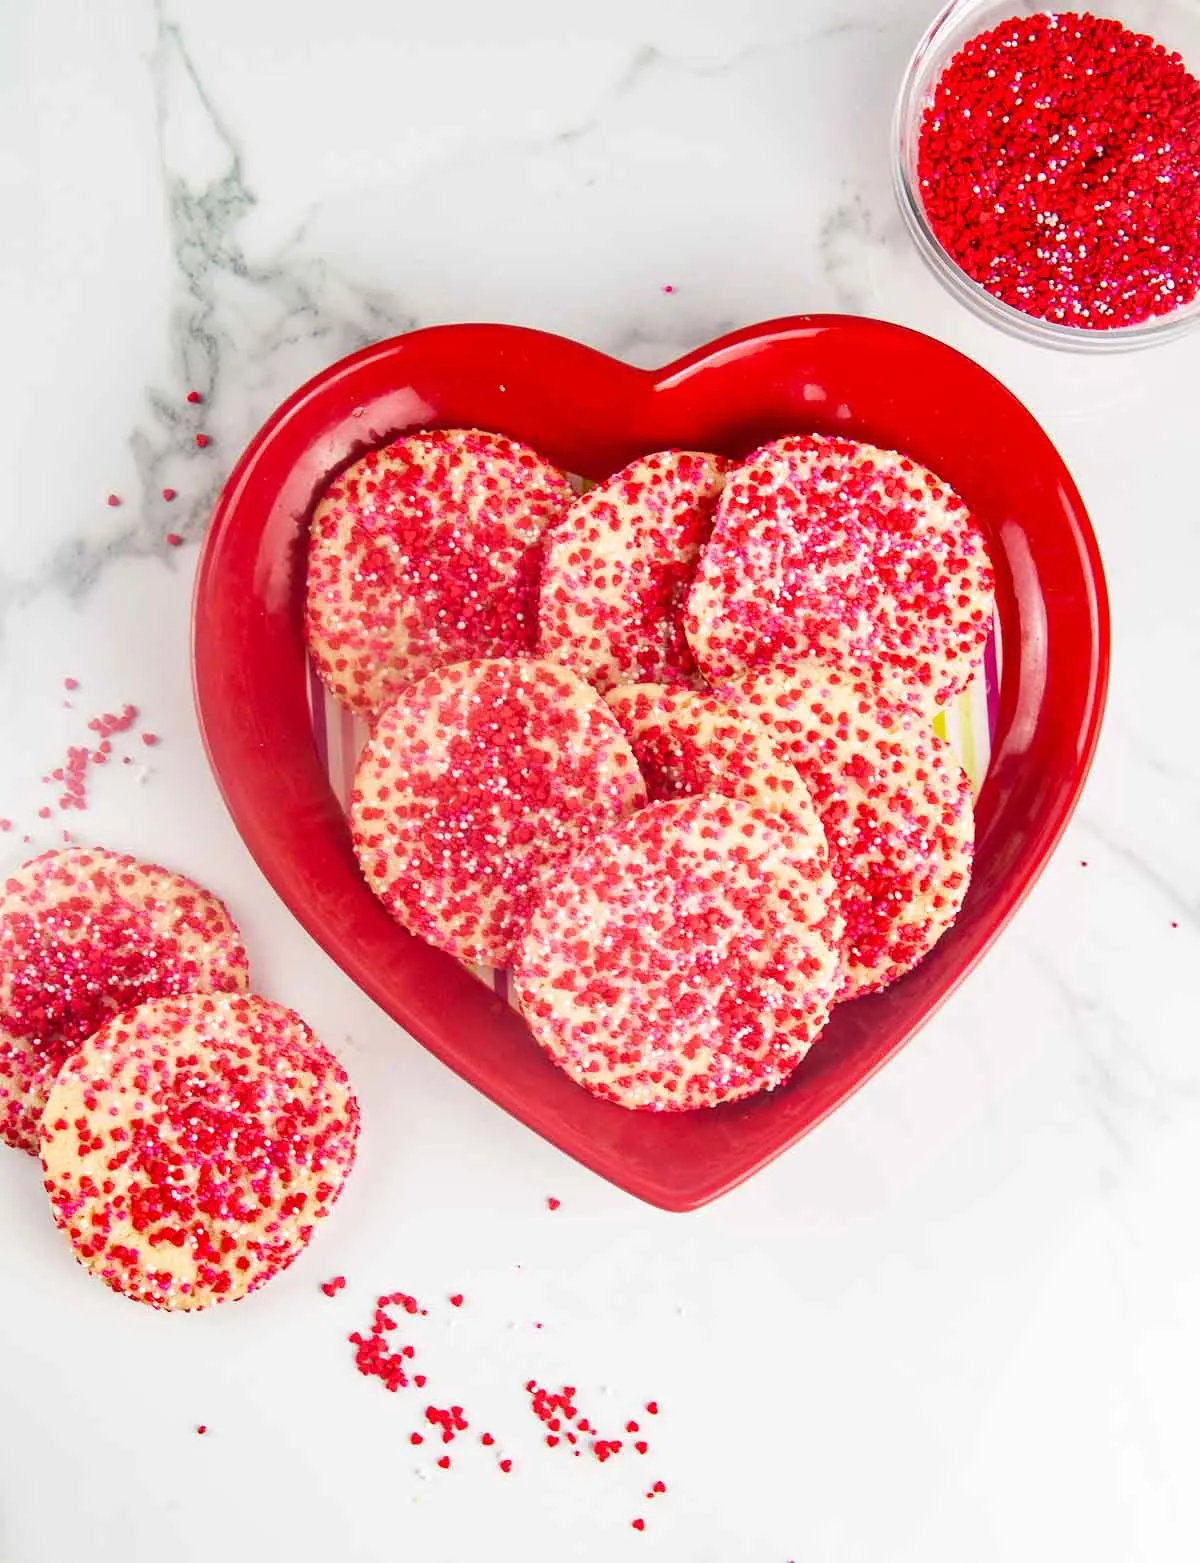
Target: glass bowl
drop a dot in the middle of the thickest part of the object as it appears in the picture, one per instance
(1174, 23)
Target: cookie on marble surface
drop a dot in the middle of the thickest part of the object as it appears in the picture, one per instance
(192, 1146)
(827, 547)
(424, 553)
(480, 783)
(84, 934)
(895, 803)
(687, 957)
(618, 568)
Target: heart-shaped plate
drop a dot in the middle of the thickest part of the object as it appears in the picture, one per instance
(591, 414)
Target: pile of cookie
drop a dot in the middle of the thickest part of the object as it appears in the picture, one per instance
(192, 1135)
(663, 748)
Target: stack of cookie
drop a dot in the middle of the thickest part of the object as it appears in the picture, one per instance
(192, 1135)
(663, 747)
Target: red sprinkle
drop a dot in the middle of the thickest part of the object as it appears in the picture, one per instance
(114, 500)
(173, 539)
(202, 440)
(505, 1466)
(149, 739)
(456, 1301)
(331, 1288)
(641, 1446)
(487, 1439)
(444, 1462)
(416, 1438)
(194, 397)
(638, 1524)
(168, 494)
(652, 1407)
(552, 1203)
(1059, 166)
(631, 1427)
(202, 1429)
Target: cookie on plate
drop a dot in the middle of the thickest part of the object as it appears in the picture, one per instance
(618, 567)
(478, 785)
(424, 553)
(830, 548)
(192, 1146)
(895, 803)
(84, 934)
(687, 957)
(687, 743)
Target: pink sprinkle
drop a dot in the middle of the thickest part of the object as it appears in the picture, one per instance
(168, 494)
(668, 287)
(114, 500)
(70, 683)
(5, 824)
(43, 812)
(173, 539)
(149, 739)
(194, 397)
(202, 440)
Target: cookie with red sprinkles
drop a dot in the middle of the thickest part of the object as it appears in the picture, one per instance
(687, 743)
(477, 787)
(424, 553)
(84, 934)
(687, 957)
(192, 1146)
(618, 568)
(827, 547)
(895, 802)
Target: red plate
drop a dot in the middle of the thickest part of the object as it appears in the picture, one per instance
(591, 414)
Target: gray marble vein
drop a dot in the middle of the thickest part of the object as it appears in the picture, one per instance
(217, 345)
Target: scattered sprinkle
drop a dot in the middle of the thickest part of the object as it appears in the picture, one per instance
(194, 397)
(638, 1524)
(444, 1462)
(202, 440)
(114, 500)
(505, 1466)
(202, 1429)
(150, 739)
(169, 494)
(552, 1203)
(456, 1300)
(331, 1288)
(173, 539)
(70, 683)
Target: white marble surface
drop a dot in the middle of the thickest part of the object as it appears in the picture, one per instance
(957, 1323)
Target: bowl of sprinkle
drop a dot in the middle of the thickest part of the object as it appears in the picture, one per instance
(1047, 165)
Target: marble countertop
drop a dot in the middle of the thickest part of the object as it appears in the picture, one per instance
(959, 1321)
